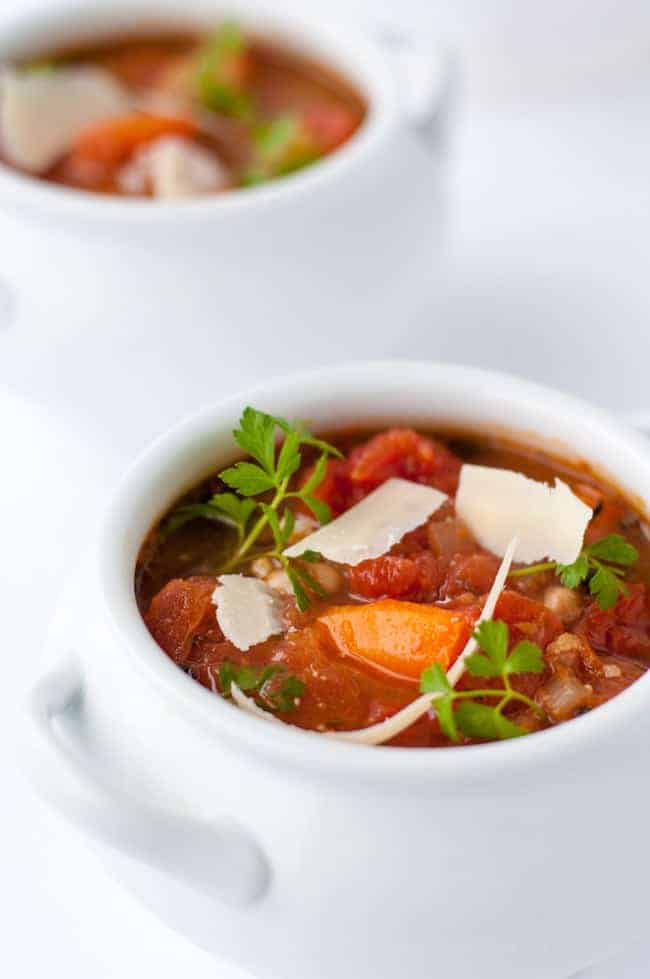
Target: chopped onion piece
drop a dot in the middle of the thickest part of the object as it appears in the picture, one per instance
(392, 726)
(173, 168)
(497, 504)
(247, 610)
(371, 527)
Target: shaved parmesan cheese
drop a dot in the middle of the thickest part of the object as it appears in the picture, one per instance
(173, 168)
(497, 504)
(392, 726)
(371, 527)
(247, 610)
(42, 112)
(248, 704)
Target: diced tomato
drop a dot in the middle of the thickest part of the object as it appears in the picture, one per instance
(402, 637)
(112, 141)
(330, 125)
(470, 573)
(393, 576)
(402, 452)
(622, 629)
(527, 618)
(179, 611)
(446, 537)
(396, 452)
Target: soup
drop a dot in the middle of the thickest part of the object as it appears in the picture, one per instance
(401, 587)
(172, 115)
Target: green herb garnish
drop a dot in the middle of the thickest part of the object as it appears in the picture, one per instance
(218, 78)
(282, 146)
(268, 476)
(275, 690)
(458, 711)
(602, 564)
(222, 507)
(45, 66)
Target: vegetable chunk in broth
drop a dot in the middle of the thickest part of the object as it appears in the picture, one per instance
(434, 640)
(173, 114)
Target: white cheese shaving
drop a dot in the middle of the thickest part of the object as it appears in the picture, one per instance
(392, 726)
(497, 504)
(41, 112)
(248, 704)
(173, 168)
(370, 528)
(247, 610)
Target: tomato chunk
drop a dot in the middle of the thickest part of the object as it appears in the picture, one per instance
(402, 452)
(470, 573)
(112, 141)
(330, 125)
(528, 619)
(623, 629)
(396, 452)
(177, 613)
(394, 576)
(402, 637)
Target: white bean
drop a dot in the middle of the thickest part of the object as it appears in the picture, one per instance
(327, 577)
(564, 602)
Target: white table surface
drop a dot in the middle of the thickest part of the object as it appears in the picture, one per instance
(544, 273)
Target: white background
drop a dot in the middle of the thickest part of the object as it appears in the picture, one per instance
(544, 272)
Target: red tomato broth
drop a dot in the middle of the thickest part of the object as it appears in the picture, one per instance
(438, 564)
(278, 80)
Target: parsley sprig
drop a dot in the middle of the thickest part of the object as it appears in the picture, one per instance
(276, 689)
(219, 87)
(459, 713)
(602, 564)
(281, 146)
(267, 473)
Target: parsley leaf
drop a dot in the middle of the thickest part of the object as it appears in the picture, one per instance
(318, 507)
(247, 478)
(434, 680)
(492, 637)
(310, 556)
(485, 723)
(222, 507)
(526, 657)
(274, 687)
(614, 549)
(273, 447)
(463, 712)
(605, 587)
(601, 565)
(572, 575)
(290, 691)
(306, 438)
(281, 146)
(256, 436)
(219, 73)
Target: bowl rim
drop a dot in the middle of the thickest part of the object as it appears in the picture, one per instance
(372, 73)
(310, 750)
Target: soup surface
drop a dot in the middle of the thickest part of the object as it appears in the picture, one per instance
(173, 114)
(352, 644)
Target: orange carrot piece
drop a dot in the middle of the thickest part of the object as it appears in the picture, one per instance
(114, 140)
(403, 637)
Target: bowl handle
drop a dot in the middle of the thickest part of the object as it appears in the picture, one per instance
(425, 76)
(216, 858)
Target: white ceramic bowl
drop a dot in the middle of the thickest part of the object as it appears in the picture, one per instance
(354, 232)
(304, 858)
